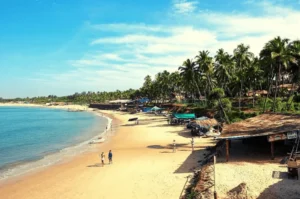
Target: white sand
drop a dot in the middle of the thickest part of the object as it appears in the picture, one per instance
(259, 180)
(71, 107)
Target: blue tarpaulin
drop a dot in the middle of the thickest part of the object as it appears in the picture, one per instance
(143, 100)
(147, 109)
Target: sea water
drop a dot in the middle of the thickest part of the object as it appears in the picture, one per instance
(33, 137)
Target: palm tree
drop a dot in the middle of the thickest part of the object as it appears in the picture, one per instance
(175, 83)
(165, 84)
(189, 74)
(294, 49)
(254, 76)
(268, 68)
(242, 57)
(278, 54)
(224, 68)
(147, 87)
(220, 103)
(206, 68)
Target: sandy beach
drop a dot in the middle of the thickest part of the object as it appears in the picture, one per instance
(144, 165)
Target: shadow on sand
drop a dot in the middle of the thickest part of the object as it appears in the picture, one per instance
(161, 125)
(95, 165)
(191, 163)
(256, 151)
(167, 151)
(286, 188)
(143, 122)
(170, 146)
(156, 147)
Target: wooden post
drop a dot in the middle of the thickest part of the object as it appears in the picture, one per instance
(272, 150)
(215, 192)
(227, 150)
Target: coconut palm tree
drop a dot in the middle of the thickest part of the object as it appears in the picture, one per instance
(254, 75)
(280, 55)
(242, 57)
(206, 68)
(147, 88)
(188, 71)
(224, 66)
(268, 67)
(176, 85)
(294, 49)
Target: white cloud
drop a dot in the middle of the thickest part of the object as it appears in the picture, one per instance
(122, 27)
(142, 49)
(184, 6)
(187, 35)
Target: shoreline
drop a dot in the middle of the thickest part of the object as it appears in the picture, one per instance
(141, 155)
(63, 107)
(22, 168)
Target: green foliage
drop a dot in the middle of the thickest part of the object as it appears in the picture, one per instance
(214, 97)
(192, 195)
(297, 106)
(290, 104)
(296, 97)
(236, 116)
(227, 105)
(217, 93)
(203, 112)
(279, 105)
(81, 98)
(262, 101)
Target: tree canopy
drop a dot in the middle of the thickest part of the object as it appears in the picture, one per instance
(226, 75)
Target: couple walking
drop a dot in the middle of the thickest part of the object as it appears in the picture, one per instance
(109, 157)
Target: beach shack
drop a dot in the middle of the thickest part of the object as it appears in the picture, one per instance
(181, 118)
(203, 125)
(273, 126)
(122, 102)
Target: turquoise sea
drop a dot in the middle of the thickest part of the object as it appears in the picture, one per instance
(30, 134)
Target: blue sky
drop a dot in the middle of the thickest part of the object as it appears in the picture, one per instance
(61, 46)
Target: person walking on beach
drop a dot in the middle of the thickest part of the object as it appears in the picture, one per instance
(110, 155)
(192, 142)
(102, 158)
(174, 146)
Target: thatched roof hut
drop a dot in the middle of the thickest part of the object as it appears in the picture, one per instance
(289, 87)
(207, 122)
(262, 125)
(274, 126)
(257, 93)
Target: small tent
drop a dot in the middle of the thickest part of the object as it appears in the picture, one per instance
(155, 108)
